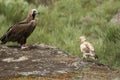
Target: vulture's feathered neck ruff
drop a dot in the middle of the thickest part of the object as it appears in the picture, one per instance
(31, 15)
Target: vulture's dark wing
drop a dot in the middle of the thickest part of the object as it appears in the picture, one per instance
(17, 31)
(14, 26)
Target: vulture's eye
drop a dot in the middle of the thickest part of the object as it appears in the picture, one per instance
(35, 12)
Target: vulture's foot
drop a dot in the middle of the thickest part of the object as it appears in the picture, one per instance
(24, 47)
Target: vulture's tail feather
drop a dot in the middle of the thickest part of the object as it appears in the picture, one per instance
(3, 39)
(96, 57)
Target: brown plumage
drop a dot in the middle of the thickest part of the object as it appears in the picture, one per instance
(22, 30)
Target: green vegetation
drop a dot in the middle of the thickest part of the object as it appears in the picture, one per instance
(62, 23)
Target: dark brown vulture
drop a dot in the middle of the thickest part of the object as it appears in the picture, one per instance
(22, 30)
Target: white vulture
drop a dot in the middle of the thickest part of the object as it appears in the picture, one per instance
(87, 48)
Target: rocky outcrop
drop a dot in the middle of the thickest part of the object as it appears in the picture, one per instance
(44, 61)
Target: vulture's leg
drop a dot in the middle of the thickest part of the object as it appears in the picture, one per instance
(85, 55)
(22, 42)
(24, 46)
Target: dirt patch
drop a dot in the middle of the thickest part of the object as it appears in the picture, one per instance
(48, 62)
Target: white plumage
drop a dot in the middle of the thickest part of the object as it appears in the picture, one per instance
(87, 48)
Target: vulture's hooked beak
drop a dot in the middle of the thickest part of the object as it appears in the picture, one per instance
(37, 12)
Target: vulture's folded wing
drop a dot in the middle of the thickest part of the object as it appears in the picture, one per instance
(89, 46)
(18, 30)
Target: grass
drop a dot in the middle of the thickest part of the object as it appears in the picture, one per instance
(62, 23)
